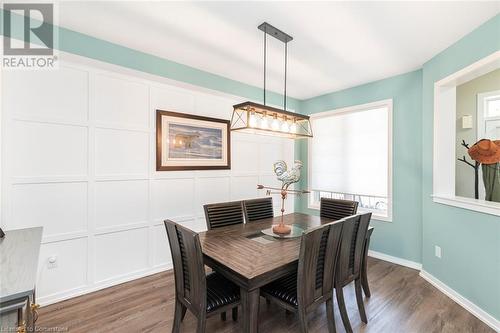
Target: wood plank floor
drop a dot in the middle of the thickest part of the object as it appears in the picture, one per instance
(401, 302)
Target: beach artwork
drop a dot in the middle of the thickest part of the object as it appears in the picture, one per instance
(191, 142)
(194, 142)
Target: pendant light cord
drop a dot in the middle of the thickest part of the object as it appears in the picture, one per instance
(284, 94)
(265, 45)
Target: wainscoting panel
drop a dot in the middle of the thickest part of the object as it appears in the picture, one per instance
(173, 198)
(212, 190)
(69, 273)
(118, 203)
(269, 153)
(121, 152)
(61, 208)
(172, 99)
(80, 161)
(119, 253)
(61, 95)
(244, 187)
(244, 156)
(161, 249)
(43, 149)
(130, 110)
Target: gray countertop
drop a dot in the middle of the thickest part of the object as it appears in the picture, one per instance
(19, 251)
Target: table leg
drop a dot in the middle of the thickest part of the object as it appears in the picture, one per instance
(250, 309)
(364, 269)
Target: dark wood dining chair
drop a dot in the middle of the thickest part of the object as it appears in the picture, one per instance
(203, 295)
(224, 214)
(258, 209)
(337, 209)
(220, 215)
(312, 284)
(349, 264)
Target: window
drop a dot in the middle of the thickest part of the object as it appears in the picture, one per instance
(488, 115)
(350, 157)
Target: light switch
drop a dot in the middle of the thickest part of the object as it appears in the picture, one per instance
(437, 251)
(467, 122)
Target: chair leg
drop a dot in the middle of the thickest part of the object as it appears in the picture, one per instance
(359, 300)
(235, 313)
(177, 316)
(330, 316)
(364, 279)
(303, 321)
(183, 314)
(366, 287)
(343, 310)
(202, 321)
(223, 316)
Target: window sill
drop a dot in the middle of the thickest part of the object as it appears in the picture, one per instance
(375, 216)
(492, 208)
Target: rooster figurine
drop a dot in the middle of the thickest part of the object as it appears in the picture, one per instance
(287, 177)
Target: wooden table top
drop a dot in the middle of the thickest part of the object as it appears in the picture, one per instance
(231, 247)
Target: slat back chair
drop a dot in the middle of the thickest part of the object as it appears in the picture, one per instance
(223, 214)
(337, 209)
(258, 209)
(312, 285)
(350, 262)
(194, 291)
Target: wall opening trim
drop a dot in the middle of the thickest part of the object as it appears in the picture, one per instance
(444, 158)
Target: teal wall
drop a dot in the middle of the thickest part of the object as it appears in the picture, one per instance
(87, 46)
(401, 237)
(470, 241)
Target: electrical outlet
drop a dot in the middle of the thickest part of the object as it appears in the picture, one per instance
(437, 251)
(52, 262)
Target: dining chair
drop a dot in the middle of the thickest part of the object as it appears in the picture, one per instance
(349, 264)
(312, 284)
(258, 209)
(223, 214)
(203, 295)
(337, 209)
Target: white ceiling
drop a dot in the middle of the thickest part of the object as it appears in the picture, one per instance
(336, 44)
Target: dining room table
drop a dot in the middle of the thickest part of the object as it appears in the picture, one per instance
(252, 259)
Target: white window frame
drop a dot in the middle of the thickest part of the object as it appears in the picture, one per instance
(444, 137)
(387, 103)
(482, 99)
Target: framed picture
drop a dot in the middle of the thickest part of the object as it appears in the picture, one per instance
(189, 142)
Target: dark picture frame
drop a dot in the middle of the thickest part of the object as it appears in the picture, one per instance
(189, 121)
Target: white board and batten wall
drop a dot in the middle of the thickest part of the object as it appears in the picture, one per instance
(78, 148)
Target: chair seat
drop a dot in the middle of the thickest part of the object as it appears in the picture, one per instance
(284, 289)
(220, 291)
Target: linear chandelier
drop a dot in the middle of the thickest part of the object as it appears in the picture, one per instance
(258, 118)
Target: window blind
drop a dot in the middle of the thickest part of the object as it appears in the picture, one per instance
(350, 151)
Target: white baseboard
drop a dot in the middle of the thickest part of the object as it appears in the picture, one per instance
(62, 296)
(462, 301)
(395, 260)
(455, 296)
